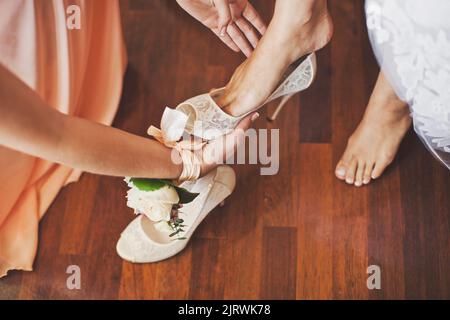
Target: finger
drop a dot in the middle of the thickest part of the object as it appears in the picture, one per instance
(254, 18)
(238, 38)
(248, 31)
(228, 41)
(224, 11)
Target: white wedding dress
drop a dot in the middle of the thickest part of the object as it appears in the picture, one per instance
(411, 40)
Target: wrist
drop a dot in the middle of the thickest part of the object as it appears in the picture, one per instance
(175, 166)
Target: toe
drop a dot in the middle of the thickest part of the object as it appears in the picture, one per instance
(341, 170)
(350, 175)
(342, 166)
(379, 168)
(359, 174)
(368, 173)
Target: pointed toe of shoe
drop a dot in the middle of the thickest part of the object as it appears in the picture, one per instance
(130, 241)
(123, 249)
(136, 246)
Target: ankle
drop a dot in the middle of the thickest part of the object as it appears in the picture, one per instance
(390, 113)
(306, 12)
(305, 33)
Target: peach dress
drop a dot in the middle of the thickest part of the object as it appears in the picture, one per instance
(78, 72)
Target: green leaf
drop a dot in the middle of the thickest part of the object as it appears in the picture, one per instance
(185, 196)
(144, 184)
(175, 233)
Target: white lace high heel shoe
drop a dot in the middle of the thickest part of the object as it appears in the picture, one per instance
(142, 242)
(208, 121)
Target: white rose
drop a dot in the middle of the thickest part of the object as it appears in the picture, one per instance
(156, 205)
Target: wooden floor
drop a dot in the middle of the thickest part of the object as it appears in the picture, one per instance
(300, 234)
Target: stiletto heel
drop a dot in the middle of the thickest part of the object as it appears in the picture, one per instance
(280, 106)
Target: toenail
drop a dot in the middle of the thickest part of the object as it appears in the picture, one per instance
(358, 184)
(350, 181)
(340, 172)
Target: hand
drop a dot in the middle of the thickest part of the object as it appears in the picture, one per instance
(235, 22)
(220, 149)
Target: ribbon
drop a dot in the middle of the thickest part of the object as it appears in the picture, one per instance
(173, 123)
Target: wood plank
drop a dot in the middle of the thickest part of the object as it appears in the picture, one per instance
(315, 103)
(315, 223)
(350, 204)
(208, 275)
(426, 228)
(279, 263)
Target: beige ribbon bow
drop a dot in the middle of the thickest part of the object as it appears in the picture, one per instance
(173, 123)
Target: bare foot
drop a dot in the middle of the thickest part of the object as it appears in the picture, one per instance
(297, 28)
(374, 144)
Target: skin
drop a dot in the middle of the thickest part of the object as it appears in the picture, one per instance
(298, 27)
(30, 126)
(235, 22)
(374, 144)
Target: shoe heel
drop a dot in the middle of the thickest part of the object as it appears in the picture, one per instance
(280, 106)
(298, 80)
(224, 184)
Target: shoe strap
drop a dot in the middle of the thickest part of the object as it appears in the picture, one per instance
(173, 123)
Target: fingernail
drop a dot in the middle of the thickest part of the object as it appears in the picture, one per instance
(255, 116)
(222, 31)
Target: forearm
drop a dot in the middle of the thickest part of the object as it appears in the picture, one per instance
(28, 125)
(110, 151)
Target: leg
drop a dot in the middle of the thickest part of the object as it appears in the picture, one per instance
(298, 27)
(372, 147)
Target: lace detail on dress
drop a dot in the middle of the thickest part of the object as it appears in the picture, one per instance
(411, 41)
